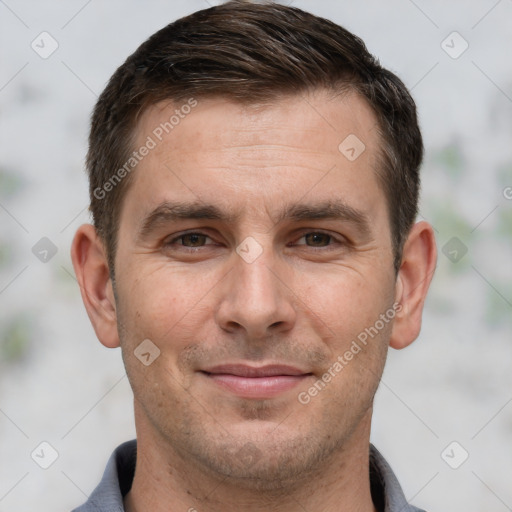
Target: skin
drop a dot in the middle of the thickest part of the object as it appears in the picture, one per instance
(301, 302)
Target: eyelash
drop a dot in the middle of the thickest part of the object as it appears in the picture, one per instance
(317, 232)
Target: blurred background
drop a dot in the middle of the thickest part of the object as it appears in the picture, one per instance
(443, 413)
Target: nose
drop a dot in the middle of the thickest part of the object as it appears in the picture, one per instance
(256, 298)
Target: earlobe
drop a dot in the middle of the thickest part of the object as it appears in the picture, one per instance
(413, 281)
(92, 273)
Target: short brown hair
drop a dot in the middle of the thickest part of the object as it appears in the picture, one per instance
(250, 52)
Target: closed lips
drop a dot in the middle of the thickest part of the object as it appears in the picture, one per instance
(255, 372)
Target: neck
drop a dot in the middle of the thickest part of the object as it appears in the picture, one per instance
(165, 481)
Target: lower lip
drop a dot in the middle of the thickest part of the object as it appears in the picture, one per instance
(256, 387)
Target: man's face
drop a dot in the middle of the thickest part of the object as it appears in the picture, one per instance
(252, 304)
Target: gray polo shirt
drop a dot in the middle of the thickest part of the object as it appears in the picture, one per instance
(117, 480)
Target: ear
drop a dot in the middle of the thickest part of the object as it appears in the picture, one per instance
(93, 276)
(419, 258)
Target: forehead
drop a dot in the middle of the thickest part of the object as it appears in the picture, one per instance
(328, 119)
(248, 156)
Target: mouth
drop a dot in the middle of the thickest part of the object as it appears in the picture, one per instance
(255, 382)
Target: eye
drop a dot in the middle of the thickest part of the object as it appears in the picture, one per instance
(189, 240)
(193, 239)
(316, 239)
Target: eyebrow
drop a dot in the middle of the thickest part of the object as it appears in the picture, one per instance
(326, 210)
(167, 212)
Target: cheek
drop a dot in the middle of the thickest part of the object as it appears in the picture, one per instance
(155, 292)
(166, 306)
(348, 301)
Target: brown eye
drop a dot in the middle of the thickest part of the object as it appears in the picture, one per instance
(317, 239)
(193, 239)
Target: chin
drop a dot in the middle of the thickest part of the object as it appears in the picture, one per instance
(260, 459)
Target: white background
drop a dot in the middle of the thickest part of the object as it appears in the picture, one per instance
(453, 384)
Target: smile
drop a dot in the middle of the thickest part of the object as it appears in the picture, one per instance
(256, 383)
